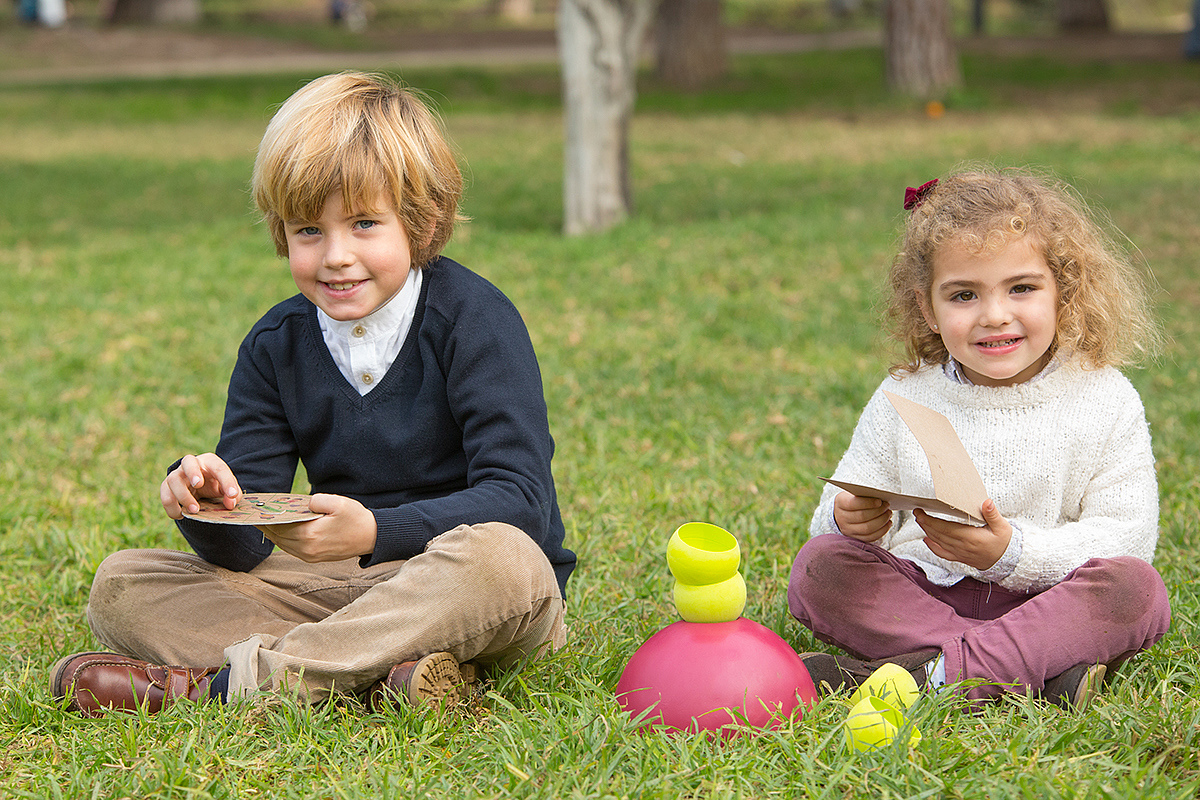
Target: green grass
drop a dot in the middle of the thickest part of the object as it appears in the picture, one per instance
(707, 360)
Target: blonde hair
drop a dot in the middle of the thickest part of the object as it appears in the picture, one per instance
(1103, 303)
(362, 135)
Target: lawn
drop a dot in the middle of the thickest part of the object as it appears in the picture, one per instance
(705, 361)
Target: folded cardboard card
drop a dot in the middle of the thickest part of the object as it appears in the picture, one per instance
(958, 489)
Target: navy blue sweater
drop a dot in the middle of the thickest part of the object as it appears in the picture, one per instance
(455, 432)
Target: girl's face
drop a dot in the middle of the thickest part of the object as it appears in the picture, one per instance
(997, 312)
(349, 262)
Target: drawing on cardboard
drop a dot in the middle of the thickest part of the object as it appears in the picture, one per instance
(257, 509)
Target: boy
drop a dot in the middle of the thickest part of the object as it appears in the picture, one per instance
(408, 387)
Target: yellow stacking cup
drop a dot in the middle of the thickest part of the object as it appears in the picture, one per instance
(700, 553)
(874, 723)
(711, 602)
(892, 683)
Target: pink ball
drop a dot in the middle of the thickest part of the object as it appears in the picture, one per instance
(695, 671)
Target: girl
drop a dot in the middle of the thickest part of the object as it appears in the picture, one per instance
(1014, 310)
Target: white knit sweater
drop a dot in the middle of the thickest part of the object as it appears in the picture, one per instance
(1066, 458)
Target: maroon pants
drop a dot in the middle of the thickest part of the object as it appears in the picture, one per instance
(872, 604)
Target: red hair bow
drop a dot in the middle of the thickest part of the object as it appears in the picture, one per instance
(914, 197)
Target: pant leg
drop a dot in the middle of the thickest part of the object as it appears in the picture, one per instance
(874, 605)
(483, 592)
(863, 599)
(173, 607)
(1103, 612)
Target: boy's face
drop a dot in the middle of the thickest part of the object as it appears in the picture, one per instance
(997, 312)
(349, 262)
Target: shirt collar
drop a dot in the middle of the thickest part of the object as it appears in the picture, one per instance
(380, 322)
(954, 371)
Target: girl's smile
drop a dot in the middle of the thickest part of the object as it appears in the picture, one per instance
(997, 313)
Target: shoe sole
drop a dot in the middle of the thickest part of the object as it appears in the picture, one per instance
(1089, 686)
(435, 678)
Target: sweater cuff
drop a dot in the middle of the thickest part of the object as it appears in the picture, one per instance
(1008, 562)
(399, 535)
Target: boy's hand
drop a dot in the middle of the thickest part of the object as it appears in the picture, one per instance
(346, 531)
(864, 518)
(976, 547)
(198, 476)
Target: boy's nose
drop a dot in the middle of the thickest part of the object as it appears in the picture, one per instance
(337, 254)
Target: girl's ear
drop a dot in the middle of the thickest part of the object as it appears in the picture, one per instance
(926, 310)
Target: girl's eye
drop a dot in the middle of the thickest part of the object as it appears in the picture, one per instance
(962, 297)
(1023, 288)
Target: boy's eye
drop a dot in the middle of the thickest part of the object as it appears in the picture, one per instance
(365, 224)
(307, 230)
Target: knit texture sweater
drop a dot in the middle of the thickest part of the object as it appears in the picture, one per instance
(454, 433)
(1066, 458)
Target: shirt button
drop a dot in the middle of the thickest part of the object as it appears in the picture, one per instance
(359, 331)
(367, 379)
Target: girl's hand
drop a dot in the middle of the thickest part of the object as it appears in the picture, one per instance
(976, 547)
(864, 518)
(204, 476)
(346, 531)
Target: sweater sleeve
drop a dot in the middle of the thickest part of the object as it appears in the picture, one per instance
(494, 389)
(1117, 516)
(258, 445)
(869, 460)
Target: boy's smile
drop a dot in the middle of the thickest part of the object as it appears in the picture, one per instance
(349, 262)
(997, 313)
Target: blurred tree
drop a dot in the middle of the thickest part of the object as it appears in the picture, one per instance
(158, 11)
(1082, 15)
(919, 54)
(690, 42)
(599, 42)
(515, 10)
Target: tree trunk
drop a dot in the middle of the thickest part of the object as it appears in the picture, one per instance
(599, 42)
(169, 12)
(513, 10)
(920, 57)
(1082, 16)
(690, 42)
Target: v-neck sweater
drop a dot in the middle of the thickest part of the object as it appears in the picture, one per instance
(455, 432)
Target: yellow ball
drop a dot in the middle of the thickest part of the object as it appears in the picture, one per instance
(713, 602)
(890, 682)
(874, 723)
(699, 553)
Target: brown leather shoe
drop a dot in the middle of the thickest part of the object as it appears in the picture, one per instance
(94, 682)
(437, 677)
(1076, 687)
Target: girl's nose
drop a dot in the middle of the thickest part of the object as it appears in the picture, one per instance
(995, 311)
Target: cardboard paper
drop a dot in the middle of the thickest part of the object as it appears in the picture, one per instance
(257, 509)
(956, 483)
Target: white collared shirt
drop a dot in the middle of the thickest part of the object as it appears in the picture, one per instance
(365, 348)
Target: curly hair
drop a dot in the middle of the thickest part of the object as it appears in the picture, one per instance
(362, 135)
(1104, 312)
